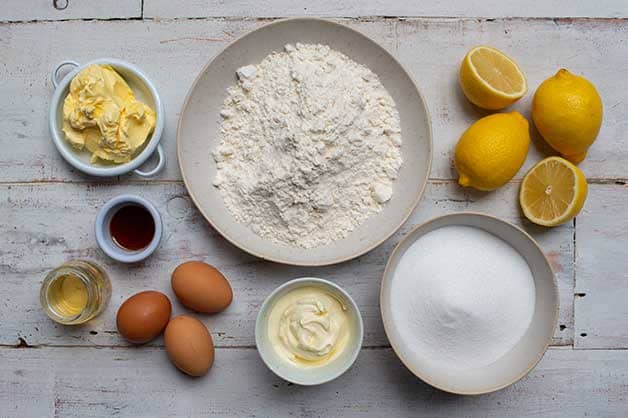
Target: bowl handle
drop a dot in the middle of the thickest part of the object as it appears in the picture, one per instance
(55, 72)
(160, 164)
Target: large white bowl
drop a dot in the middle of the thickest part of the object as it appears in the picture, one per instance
(524, 356)
(199, 132)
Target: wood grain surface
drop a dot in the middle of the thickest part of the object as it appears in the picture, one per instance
(37, 242)
(35, 10)
(144, 383)
(173, 52)
(357, 8)
(47, 212)
(601, 292)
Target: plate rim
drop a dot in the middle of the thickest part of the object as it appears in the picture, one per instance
(313, 263)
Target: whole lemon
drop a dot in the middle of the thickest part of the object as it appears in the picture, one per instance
(491, 151)
(567, 111)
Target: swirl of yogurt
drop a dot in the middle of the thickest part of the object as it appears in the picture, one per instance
(308, 326)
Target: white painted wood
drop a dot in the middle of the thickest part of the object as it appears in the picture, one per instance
(601, 305)
(173, 52)
(355, 8)
(142, 382)
(43, 225)
(49, 219)
(28, 10)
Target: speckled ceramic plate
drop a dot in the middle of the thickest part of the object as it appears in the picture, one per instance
(199, 132)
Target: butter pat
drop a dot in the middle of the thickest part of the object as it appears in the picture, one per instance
(102, 115)
(308, 327)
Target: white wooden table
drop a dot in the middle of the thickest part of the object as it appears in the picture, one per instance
(47, 212)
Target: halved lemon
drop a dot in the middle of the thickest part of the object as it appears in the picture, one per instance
(490, 79)
(553, 192)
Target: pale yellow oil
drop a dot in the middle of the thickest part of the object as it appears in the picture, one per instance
(68, 295)
(75, 292)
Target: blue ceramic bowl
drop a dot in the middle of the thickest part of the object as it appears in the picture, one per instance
(103, 234)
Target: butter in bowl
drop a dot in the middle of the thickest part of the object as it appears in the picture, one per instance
(106, 118)
(309, 331)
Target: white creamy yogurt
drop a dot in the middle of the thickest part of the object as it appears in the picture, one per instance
(308, 327)
(462, 297)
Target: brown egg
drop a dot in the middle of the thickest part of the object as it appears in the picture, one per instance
(143, 316)
(189, 345)
(201, 287)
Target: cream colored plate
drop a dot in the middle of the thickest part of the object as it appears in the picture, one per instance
(198, 134)
(517, 362)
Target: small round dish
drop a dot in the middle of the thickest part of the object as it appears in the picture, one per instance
(199, 132)
(313, 375)
(522, 358)
(144, 90)
(103, 233)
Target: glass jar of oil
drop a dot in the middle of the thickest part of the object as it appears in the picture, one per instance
(75, 292)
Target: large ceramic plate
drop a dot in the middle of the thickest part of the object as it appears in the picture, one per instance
(199, 132)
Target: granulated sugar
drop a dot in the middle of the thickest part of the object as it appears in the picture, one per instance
(462, 297)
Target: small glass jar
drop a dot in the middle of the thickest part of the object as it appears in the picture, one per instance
(75, 292)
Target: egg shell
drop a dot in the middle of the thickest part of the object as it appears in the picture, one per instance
(189, 345)
(143, 316)
(201, 287)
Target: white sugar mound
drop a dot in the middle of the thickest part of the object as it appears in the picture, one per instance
(462, 297)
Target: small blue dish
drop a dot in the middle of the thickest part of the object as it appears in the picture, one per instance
(103, 234)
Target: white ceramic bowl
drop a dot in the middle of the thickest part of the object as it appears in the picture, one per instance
(314, 375)
(518, 361)
(103, 234)
(144, 90)
(199, 132)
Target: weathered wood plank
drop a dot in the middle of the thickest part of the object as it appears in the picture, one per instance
(142, 382)
(20, 10)
(540, 48)
(43, 225)
(173, 52)
(601, 305)
(355, 8)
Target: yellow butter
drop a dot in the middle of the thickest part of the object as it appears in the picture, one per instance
(102, 115)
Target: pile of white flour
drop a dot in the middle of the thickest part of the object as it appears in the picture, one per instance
(310, 146)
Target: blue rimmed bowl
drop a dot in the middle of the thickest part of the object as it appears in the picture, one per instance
(103, 231)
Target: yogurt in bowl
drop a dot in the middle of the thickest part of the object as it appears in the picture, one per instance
(309, 331)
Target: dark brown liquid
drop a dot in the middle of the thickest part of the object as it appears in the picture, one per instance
(132, 227)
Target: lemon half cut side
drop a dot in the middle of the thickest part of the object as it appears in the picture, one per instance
(553, 192)
(490, 79)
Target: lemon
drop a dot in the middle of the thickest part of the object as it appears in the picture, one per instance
(567, 111)
(553, 192)
(490, 79)
(492, 150)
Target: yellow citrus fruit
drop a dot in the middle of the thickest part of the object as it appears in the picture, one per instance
(491, 151)
(567, 111)
(553, 192)
(490, 79)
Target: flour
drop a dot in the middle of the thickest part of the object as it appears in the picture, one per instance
(461, 297)
(310, 146)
